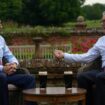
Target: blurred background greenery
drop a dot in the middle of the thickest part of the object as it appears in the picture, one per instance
(47, 12)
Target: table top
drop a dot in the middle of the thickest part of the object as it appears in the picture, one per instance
(54, 91)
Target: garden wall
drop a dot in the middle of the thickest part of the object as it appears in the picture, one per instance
(81, 41)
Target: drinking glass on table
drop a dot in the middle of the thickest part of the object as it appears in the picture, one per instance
(68, 76)
(43, 79)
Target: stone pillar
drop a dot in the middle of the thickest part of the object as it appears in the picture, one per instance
(37, 41)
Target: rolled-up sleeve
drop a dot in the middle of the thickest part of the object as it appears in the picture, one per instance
(7, 54)
(83, 58)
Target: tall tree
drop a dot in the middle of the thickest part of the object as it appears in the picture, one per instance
(50, 11)
(96, 11)
(10, 9)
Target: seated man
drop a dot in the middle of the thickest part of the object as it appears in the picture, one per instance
(8, 74)
(87, 79)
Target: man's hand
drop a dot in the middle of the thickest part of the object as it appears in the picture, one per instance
(58, 54)
(10, 68)
(13, 65)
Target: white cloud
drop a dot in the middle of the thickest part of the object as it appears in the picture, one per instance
(94, 1)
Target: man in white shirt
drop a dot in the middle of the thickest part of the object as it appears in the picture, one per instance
(8, 74)
(87, 79)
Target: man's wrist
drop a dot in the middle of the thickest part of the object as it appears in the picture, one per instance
(15, 64)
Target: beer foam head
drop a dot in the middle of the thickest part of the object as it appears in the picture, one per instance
(68, 72)
(43, 73)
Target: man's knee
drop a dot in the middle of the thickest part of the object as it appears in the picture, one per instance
(31, 81)
(31, 78)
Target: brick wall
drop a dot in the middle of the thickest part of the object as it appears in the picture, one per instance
(78, 39)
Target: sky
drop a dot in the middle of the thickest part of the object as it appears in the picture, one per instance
(90, 2)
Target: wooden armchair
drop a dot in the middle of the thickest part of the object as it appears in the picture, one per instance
(15, 91)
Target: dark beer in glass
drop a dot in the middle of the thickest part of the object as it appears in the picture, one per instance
(43, 79)
(68, 75)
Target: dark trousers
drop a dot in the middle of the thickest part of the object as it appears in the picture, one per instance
(87, 80)
(23, 81)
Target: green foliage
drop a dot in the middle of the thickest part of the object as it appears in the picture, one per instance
(93, 23)
(12, 29)
(10, 10)
(90, 24)
(50, 11)
(25, 55)
(96, 11)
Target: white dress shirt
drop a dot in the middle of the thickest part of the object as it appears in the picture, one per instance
(97, 50)
(6, 53)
